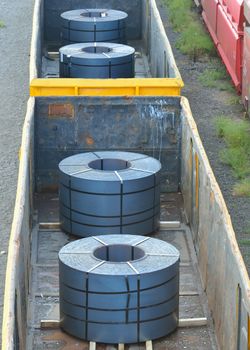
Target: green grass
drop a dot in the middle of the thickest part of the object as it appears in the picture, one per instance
(216, 77)
(247, 229)
(234, 100)
(235, 133)
(179, 13)
(245, 242)
(242, 188)
(237, 152)
(194, 40)
(2, 25)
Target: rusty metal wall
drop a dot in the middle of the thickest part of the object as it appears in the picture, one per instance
(66, 126)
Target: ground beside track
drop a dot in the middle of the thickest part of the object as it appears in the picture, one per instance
(207, 103)
(14, 76)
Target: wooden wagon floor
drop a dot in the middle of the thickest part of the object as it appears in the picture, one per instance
(50, 62)
(43, 301)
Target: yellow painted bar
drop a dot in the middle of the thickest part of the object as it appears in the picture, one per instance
(106, 87)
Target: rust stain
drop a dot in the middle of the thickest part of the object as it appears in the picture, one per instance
(66, 341)
(61, 110)
(49, 188)
(211, 197)
(90, 141)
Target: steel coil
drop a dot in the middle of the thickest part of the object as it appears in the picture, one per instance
(119, 288)
(109, 193)
(93, 25)
(102, 60)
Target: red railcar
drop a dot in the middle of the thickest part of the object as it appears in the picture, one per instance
(246, 56)
(225, 21)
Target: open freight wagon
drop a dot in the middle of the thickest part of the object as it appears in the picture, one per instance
(155, 69)
(214, 284)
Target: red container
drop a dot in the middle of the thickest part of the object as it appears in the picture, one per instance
(246, 69)
(225, 23)
(235, 10)
(209, 14)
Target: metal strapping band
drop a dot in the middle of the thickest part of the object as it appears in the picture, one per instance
(70, 206)
(153, 221)
(87, 305)
(128, 300)
(121, 201)
(138, 308)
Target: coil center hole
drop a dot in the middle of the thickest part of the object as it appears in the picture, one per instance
(119, 253)
(109, 164)
(97, 49)
(94, 14)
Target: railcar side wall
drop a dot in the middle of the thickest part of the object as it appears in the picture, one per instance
(223, 272)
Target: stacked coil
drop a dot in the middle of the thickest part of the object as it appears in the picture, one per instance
(119, 288)
(109, 193)
(93, 25)
(102, 60)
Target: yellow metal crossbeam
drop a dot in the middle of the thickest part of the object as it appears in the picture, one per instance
(106, 87)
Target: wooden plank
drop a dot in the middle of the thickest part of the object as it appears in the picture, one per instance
(56, 225)
(49, 324)
(92, 345)
(47, 294)
(49, 225)
(53, 54)
(193, 322)
(188, 293)
(149, 345)
(169, 225)
(185, 264)
(121, 347)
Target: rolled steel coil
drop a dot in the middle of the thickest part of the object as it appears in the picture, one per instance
(109, 193)
(93, 25)
(119, 288)
(92, 60)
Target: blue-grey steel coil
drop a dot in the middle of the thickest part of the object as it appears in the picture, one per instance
(97, 60)
(119, 288)
(109, 193)
(93, 25)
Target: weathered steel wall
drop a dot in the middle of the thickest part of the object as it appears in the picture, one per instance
(53, 9)
(66, 126)
(14, 326)
(223, 271)
(17, 272)
(160, 55)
